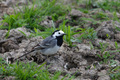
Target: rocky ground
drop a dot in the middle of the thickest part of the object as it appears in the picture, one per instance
(82, 60)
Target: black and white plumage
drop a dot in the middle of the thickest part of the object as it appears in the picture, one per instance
(50, 45)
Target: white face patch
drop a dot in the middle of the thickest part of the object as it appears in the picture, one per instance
(58, 33)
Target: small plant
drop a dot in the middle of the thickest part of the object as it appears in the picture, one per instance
(44, 34)
(89, 4)
(115, 18)
(87, 33)
(27, 71)
(70, 31)
(91, 45)
(117, 28)
(105, 54)
(115, 73)
(31, 16)
(100, 16)
(116, 45)
(111, 5)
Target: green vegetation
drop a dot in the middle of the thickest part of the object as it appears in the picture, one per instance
(28, 71)
(111, 5)
(115, 73)
(31, 17)
(106, 54)
(87, 33)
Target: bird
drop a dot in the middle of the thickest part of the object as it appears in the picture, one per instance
(49, 45)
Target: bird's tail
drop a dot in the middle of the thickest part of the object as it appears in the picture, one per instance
(23, 55)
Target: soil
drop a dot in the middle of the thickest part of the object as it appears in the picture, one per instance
(81, 60)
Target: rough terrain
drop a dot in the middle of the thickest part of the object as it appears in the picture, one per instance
(82, 60)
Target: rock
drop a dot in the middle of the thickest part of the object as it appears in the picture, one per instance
(105, 77)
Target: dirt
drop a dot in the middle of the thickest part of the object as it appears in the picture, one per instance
(78, 61)
(81, 60)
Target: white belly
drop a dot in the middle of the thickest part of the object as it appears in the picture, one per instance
(51, 51)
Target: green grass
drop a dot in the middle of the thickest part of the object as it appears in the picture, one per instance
(111, 5)
(115, 73)
(105, 53)
(70, 31)
(31, 17)
(28, 71)
(101, 16)
(86, 33)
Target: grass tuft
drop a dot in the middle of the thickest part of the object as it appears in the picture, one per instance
(27, 71)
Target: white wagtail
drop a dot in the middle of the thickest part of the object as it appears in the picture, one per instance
(50, 45)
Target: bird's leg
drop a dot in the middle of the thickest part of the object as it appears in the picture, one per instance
(55, 57)
(47, 60)
(47, 57)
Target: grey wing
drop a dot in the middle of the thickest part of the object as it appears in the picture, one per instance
(48, 42)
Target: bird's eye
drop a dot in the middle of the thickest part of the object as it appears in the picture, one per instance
(59, 33)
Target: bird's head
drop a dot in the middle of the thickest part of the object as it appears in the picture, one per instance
(58, 33)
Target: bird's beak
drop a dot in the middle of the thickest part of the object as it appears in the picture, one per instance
(64, 34)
